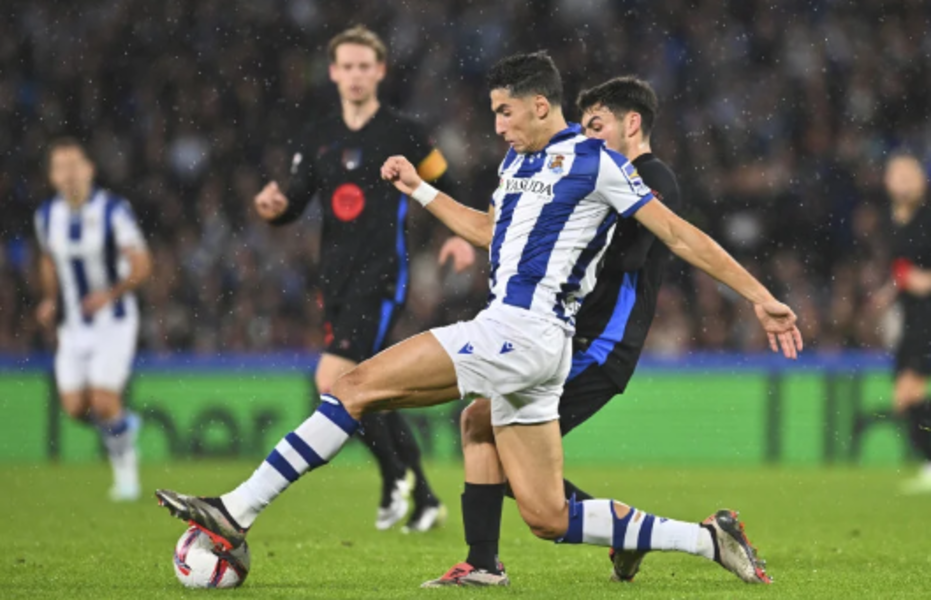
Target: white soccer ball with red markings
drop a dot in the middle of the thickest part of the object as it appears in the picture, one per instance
(199, 563)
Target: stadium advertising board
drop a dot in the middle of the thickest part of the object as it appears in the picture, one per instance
(739, 416)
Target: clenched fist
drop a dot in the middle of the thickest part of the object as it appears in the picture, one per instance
(270, 203)
(399, 171)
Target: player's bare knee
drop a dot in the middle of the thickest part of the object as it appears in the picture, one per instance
(549, 526)
(351, 388)
(74, 407)
(324, 387)
(105, 404)
(902, 402)
(545, 522)
(475, 423)
(909, 390)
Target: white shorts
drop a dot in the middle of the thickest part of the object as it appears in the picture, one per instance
(512, 357)
(98, 356)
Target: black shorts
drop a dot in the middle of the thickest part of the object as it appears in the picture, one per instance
(583, 396)
(357, 328)
(913, 354)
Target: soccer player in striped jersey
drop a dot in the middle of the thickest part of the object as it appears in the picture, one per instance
(611, 328)
(558, 201)
(93, 257)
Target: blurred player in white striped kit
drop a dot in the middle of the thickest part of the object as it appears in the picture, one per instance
(93, 257)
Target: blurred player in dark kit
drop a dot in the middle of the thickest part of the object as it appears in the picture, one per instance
(907, 184)
(364, 248)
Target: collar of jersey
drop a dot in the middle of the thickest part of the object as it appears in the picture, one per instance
(571, 131)
(91, 198)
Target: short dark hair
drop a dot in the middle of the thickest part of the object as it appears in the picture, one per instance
(361, 35)
(621, 95)
(526, 74)
(62, 143)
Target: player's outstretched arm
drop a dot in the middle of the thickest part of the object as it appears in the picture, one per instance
(475, 226)
(697, 248)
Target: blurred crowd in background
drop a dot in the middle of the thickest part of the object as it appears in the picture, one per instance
(777, 117)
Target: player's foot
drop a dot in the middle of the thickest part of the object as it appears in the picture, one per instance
(208, 514)
(125, 465)
(425, 517)
(395, 503)
(465, 575)
(125, 492)
(732, 549)
(626, 564)
(920, 484)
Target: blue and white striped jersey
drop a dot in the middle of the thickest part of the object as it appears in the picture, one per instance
(85, 245)
(555, 211)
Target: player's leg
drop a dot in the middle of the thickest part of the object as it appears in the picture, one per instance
(76, 404)
(375, 433)
(586, 393)
(83, 373)
(912, 404)
(482, 503)
(414, 373)
(483, 497)
(428, 511)
(71, 380)
(109, 370)
(532, 459)
(485, 488)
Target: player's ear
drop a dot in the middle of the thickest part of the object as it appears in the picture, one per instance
(633, 124)
(333, 77)
(541, 106)
(380, 69)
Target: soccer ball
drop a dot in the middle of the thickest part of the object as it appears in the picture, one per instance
(199, 563)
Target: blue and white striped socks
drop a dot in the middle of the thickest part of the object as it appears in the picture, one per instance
(115, 433)
(595, 522)
(312, 445)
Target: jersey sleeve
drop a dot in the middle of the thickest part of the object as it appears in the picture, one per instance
(619, 185)
(665, 187)
(126, 230)
(301, 182)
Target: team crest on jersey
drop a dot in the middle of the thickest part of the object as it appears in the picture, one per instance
(348, 202)
(352, 158)
(556, 164)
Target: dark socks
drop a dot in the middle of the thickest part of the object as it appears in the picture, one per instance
(375, 433)
(571, 491)
(482, 505)
(409, 452)
(919, 427)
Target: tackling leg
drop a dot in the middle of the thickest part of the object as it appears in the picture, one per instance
(416, 372)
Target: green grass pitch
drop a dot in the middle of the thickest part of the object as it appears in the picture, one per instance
(826, 533)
